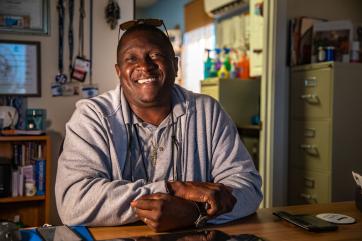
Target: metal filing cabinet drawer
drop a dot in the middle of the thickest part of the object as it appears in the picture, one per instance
(311, 144)
(325, 124)
(309, 187)
(311, 93)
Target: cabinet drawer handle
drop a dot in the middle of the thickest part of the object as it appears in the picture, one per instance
(309, 183)
(309, 132)
(310, 82)
(308, 197)
(310, 99)
(309, 149)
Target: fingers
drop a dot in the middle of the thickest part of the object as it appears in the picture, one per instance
(218, 196)
(148, 202)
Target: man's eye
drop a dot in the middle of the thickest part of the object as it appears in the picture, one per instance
(131, 59)
(156, 55)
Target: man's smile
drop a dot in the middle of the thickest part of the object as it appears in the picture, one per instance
(146, 80)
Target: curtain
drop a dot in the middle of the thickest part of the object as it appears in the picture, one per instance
(193, 55)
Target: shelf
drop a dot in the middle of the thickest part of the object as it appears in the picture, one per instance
(21, 199)
(249, 130)
(24, 138)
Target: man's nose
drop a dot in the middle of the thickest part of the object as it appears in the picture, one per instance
(147, 64)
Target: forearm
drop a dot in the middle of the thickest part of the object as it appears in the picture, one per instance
(248, 200)
(99, 201)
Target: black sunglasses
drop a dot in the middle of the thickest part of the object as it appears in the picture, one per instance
(149, 21)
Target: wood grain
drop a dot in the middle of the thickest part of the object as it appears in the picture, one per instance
(264, 224)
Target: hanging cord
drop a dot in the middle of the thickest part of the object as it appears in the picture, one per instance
(71, 34)
(90, 40)
(60, 8)
(81, 29)
(176, 144)
(141, 152)
(128, 154)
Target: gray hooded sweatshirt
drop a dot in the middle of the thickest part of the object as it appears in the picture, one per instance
(95, 182)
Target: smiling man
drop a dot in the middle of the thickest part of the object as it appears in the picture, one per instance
(152, 151)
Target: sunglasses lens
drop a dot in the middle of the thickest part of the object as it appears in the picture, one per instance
(127, 25)
(154, 22)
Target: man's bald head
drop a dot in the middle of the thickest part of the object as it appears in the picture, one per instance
(149, 29)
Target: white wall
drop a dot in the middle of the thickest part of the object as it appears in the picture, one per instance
(59, 109)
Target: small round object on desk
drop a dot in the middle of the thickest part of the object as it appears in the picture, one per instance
(336, 218)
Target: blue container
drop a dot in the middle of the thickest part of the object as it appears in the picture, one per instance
(330, 54)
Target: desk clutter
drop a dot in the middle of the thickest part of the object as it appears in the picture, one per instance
(33, 235)
(314, 40)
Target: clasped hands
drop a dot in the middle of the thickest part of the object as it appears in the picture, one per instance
(163, 212)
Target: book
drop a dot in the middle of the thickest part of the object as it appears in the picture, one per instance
(300, 39)
(40, 177)
(14, 183)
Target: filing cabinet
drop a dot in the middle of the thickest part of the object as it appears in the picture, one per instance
(239, 98)
(325, 132)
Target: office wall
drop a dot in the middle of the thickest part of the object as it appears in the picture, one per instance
(171, 11)
(59, 109)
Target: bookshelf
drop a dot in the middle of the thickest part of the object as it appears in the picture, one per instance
(32, 210)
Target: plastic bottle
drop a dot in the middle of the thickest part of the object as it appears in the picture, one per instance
(207, 65)
(226, 62)
(244, 66)
(355, 52)
(223, 73)
(218, 63)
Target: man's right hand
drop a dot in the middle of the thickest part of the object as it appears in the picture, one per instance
(163, 212)
(218, 196)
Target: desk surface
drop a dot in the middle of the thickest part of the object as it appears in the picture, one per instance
(263, 224)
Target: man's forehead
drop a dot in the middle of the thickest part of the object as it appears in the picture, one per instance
(141, 38)
(143, 35)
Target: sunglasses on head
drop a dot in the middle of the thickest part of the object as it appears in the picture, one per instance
(149, 21)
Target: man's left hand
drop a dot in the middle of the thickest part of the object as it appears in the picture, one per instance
(218, 196)
(162, 212)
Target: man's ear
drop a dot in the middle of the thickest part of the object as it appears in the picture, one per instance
(175, 64)
(118, 70)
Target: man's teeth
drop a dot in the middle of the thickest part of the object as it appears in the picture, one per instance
(146, 81)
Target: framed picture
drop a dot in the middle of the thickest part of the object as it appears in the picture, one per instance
(24, 16)
(20, 68)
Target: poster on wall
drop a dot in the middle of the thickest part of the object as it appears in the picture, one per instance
(24, 16)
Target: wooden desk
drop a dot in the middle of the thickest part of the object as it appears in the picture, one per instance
(264, 224)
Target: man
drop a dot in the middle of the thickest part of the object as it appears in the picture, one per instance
(152, 151)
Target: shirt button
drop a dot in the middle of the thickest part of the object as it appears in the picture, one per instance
(161, 148)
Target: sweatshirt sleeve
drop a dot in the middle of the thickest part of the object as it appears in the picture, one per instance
(84, 190)
(233, 166)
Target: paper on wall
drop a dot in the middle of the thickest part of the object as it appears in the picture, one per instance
(357, 178)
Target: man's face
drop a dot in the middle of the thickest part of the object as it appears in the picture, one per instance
(146, 68)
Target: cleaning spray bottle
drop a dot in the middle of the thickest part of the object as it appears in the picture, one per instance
(218, 62)
(244, 66)
(208, 64)
(233, 62)
(223, 72)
